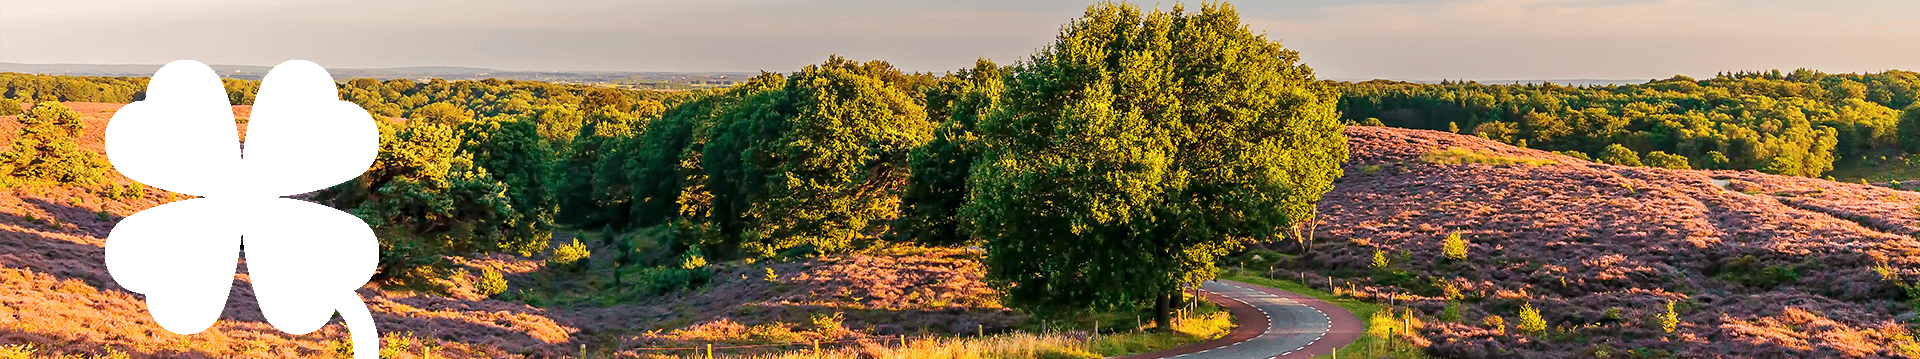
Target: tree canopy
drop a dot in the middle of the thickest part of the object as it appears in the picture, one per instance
(1140, 147)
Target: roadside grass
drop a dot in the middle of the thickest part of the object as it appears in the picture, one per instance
(1378, 322)
(1206, 322)
(1199, 327)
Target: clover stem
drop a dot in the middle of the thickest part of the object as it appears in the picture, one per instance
(366, 339)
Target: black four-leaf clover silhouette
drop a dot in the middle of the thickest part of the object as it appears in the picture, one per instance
(306, 260)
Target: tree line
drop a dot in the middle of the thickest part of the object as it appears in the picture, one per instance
(1795, 123)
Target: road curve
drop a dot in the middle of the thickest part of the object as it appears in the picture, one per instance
(1270, 324)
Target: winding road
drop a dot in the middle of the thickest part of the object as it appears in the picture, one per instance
(1271, 324)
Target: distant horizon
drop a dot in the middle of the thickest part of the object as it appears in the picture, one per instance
(1489, 81)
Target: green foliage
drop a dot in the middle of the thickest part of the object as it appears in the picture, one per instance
(1716, 161)
(436, 189)
(442, 113)
(1576, 154)
(1454, 247)
(663, 280)
(938, 187)
(1452, 312)
(1794, 123)
(1747, 270)
(1530, 320)
(1098, 134)
(820, 165)
(829, 323)
(1666, 160)
(1909, 129)
(1456, 155)
(32, 88)
(570, 254)
(491, 282)
(45, 149)
(1615, 154)
(692, 260)
(9, 107)
(812, 163)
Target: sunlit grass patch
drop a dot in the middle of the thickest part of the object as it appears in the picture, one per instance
(1456, 156)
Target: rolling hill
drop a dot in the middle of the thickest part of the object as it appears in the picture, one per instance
(1757, 265)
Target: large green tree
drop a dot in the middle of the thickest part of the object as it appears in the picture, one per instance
(1129, 155)
(817, 164)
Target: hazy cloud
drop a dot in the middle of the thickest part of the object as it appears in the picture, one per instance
(1484, 39)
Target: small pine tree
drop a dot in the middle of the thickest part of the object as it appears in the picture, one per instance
(1454, 247)
(1530, 320)
(491, 283)
(44, 149)
(1379, 258)
(1452, 313)
(1670, 321)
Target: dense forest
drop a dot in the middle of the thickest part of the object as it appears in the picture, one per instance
(1083, 145)
(1796, 123)
(1140, 148)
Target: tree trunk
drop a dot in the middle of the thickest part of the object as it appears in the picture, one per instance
(1162, 316)
(1313, 222)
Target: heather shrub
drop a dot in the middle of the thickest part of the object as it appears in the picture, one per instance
(1495, 322)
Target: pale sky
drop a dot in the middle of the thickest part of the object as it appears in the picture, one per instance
(1343, 39)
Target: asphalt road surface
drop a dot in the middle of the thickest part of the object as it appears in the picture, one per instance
(1271, 324)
